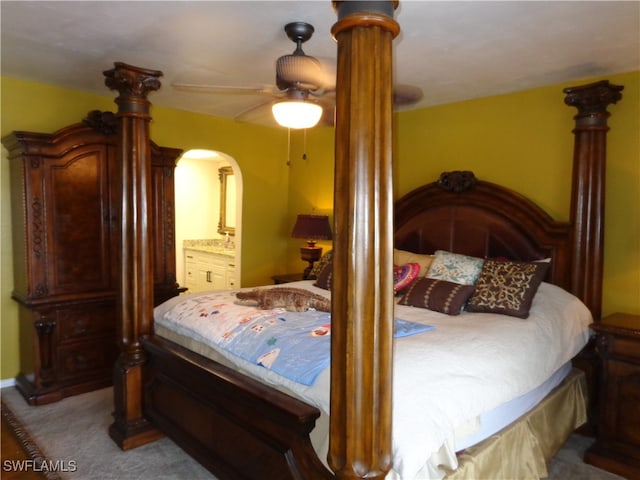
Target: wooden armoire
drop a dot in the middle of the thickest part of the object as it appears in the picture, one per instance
(66, 203)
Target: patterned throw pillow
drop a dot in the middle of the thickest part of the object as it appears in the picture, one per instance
(325, 279)
(325, 260)
(438, 295)
(324, 271)
(454, 267)
(403, 275)
(507, 287)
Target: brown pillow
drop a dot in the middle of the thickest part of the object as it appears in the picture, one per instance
(324, 272)
(438, 295)
(507, 287)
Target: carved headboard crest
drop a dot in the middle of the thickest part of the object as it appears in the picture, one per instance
(457, 181)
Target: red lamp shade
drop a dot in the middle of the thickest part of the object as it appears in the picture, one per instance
(311, 228)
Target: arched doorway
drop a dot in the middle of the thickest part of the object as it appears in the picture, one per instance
(199, 203)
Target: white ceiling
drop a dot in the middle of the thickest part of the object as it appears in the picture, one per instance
(452, 50)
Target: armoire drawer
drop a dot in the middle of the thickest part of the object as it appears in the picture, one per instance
(89, 358)
(86, 321)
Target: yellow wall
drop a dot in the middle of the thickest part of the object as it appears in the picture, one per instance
(522, 140)
(311, 186)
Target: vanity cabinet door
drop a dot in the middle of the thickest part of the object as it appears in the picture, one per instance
(206, 271)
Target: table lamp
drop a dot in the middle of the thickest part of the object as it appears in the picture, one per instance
(311, 228)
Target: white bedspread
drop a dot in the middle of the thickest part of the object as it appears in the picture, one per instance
(445, 379)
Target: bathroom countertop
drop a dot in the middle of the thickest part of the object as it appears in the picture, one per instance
(209, 246)
(229, 252)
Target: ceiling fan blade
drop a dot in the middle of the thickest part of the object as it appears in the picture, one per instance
(403, 95)
(328, 73)
(226, 89)
(326, 93)
(257, 113)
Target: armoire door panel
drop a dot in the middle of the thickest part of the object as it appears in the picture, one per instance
(78, 213)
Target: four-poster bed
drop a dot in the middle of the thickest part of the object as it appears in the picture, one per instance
(239, 427)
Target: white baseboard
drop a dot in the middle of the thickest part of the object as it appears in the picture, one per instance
(7, 382)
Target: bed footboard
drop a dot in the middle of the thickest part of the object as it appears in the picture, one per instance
(233, 425)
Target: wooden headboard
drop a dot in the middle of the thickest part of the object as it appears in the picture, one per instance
(461, 214)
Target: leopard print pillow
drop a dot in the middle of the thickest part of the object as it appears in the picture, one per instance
(507, 287)
(324, 263)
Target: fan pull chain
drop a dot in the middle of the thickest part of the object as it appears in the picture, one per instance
(304, 146)
(288, 147)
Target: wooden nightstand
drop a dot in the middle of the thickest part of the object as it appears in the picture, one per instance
(617, 446)
(287, 277)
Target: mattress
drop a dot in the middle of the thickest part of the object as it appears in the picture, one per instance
(495, 420)
(441, 404)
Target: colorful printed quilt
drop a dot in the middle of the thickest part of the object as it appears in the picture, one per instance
(295, 345)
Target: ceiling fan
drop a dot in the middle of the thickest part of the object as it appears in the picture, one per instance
(304, 92)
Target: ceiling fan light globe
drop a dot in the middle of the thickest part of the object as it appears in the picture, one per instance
(297, 114)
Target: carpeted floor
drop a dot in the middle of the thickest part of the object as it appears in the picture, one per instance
(568, 464)
(21, 457)
(80, 444)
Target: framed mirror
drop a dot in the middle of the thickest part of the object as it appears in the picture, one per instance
(227, 201)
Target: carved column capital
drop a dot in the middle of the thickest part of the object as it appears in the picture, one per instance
(592, 101)
(133, 84)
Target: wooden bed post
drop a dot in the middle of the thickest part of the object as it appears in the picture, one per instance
(587, 197)
(135, 299)
(362, 293)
